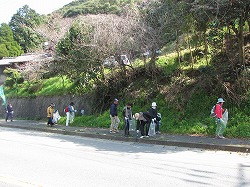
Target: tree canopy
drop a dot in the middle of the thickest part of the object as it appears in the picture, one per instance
(9, 47)
(84, 7)
(22, 24)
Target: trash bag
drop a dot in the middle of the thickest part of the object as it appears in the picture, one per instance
(151, 131)
(56, 117)
(225, 116)
(71, 117)
(132, 125)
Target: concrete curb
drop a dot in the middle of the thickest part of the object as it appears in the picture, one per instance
(208, 146)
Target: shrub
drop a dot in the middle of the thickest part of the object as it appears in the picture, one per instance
(243, 130)
(198, 129)
(35, 87)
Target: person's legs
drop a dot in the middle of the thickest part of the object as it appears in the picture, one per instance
(11, 116)
(138, 126)
(220, 128)
(147, 128)
(67, 118)
(147, 123)
(7, 116)
(50, 123)
(142, 128)
(117, 122)
(126, 127)
(112, 124)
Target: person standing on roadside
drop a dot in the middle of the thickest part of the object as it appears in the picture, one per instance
(70, 113)
(154, 116)
(50, 111)
(9, 112)
(127, 116)
(221, 125)
(114, 117)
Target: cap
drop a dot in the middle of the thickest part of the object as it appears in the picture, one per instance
(154, 104)
(116, 99)
(220, 100)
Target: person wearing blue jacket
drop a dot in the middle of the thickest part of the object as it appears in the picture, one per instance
(115, 121)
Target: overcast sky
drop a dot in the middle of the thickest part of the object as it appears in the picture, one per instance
(10, 7)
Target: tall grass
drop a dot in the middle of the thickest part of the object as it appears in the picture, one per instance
(44, 87)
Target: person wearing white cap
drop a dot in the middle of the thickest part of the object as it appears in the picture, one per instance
(219, 121)
(154, 116)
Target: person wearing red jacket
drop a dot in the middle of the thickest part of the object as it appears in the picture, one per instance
(219, 121)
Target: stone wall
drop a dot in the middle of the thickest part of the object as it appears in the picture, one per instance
(37, 107)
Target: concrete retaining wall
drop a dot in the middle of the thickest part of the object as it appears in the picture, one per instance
(37, 107)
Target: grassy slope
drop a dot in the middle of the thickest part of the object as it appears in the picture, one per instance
(184, 99)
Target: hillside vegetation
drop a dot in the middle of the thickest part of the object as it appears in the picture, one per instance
(184, 62)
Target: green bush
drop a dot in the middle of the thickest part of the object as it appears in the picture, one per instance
(243, 130)
(35, 87)
(198, 129)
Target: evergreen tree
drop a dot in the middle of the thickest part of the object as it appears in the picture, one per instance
(9, 47)
(3, 51)
(22, 24)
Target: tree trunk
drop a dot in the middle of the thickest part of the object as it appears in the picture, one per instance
(248, 22)
(177, 48)
(206, 47)
(191, 53)
(152, 60)
(241, 43)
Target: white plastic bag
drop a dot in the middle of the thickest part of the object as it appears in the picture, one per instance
(151, 131)
(56, 117)
(71, 117)
(225, 116)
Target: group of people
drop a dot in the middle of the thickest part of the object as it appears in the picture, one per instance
(53, 115)
(143, 119)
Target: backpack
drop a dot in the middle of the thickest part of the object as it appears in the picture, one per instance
(212, 114)
(66, 109)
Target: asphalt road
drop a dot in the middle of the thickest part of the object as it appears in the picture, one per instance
(30, 158)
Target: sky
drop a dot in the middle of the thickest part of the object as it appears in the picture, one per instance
(10, 7)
